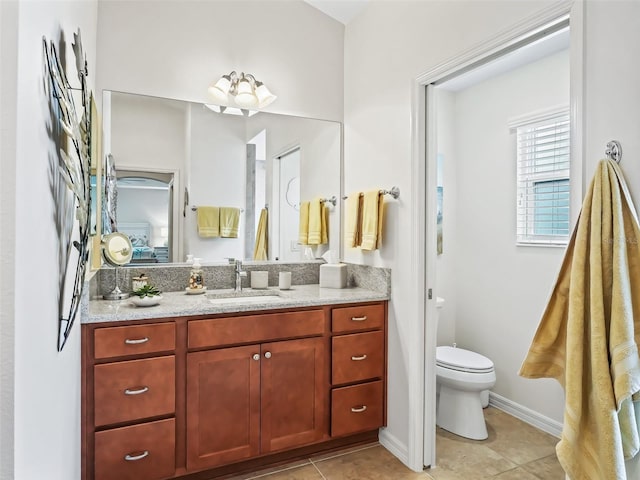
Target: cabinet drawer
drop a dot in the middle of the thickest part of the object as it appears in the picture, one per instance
(355, 357)
(357, 318)
(255, 328)
(145, 451)
(358, 408)
(134, 340)
(134, 389)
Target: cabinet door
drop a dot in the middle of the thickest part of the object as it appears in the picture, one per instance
(223, 406)
(294, 393)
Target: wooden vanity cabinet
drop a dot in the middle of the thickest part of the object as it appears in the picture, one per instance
(257, 399)
(202, 397)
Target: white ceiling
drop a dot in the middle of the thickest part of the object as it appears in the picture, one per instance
(529, 53)
(342, 10)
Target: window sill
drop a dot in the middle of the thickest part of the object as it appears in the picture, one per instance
(542, 244)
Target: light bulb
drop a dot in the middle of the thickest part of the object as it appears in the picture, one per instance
(245, 96)
(265, 97)
(220, 89)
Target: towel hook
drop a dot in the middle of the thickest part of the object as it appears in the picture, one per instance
(614, 151)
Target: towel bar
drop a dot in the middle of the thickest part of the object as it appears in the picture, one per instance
(394, 192)
(194, 208)
(333, 200)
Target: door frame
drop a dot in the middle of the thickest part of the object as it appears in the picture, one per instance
(274, 205)
(422, 384)
(175, 225)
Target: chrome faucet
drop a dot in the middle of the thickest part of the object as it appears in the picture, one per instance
(239, 275)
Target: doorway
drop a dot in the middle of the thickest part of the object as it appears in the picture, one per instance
(145, 214)
(428, 136)
(287, 198)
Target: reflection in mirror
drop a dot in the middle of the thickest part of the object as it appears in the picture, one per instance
(248, 163)
(144, 214)
(109, 196)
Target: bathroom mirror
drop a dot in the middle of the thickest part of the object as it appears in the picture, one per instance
(245, 160)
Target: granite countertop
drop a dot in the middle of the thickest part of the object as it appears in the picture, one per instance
(180, 304)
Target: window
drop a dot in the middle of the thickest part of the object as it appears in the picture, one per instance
(543, 182)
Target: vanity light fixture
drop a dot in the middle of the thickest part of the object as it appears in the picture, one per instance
(245, 89)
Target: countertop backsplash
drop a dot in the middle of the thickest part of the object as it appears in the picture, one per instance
(175, 277)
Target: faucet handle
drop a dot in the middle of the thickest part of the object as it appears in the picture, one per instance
(231, 260)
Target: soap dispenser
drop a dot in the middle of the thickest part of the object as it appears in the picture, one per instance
(196, 278)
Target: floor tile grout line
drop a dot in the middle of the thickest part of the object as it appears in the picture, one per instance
(292, 467)
(342, 454)
(318, 470)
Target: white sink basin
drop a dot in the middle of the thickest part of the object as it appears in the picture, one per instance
(247, 299)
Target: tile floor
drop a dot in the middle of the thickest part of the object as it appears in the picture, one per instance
(513, 451)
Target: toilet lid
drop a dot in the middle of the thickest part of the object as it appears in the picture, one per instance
(462, 360)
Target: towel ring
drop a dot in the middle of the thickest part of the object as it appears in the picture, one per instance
(614, 151)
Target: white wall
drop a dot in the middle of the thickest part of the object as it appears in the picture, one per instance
(8, 105)
(611, 86)
(386, 49)
(147, 132)
(413, 37)
(175, 49)
(216, 177)
(502, 287)
(46, 390)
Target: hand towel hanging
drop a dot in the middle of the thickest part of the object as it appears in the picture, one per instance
(303, 225)
(229, 222)
(372, 211)
(262, 243)
(353, 230)
(208, 222)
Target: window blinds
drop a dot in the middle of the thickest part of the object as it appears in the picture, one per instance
(543, 184)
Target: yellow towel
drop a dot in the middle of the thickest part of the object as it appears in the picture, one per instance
(316, 212)
(371, 220)
(380, 220)
(303, 227)
(324, 224)
(229, 221)
(585, 339)
(353, 230)
(262, 243)
(208, 220)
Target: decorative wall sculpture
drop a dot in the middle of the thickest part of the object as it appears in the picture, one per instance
(74, 166)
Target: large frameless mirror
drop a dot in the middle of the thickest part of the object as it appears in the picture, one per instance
(174, 157)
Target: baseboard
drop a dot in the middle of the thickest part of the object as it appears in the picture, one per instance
(525, 414)
(395, 446)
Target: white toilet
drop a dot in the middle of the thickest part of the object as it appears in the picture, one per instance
(463, 379)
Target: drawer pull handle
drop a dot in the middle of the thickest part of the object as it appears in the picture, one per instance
(136, 341)
(359, 409)
(132, 458)
(359, 319)
(361, 357)
(136, 392)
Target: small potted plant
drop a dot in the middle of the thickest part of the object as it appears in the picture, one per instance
(146, 296)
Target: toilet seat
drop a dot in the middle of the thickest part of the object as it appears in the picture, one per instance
(462, 360)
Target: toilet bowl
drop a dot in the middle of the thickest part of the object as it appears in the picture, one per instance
(461, 377)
